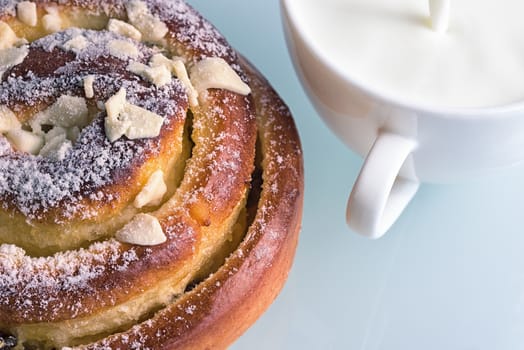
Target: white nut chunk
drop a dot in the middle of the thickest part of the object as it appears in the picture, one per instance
(152, 28)
(159, 75)
(124, 28)
(174, 66)
(116, 104)
(26, 13)
(153, 191)
(67, 112)
(8, 120)
(123, 49)
(51, 21)
(56, 148)
(8, 37)
(144, 230)
(216, 73)
(88, 86)
(181, 73)
(56, 144)
(124, 118)
(11, 57)
(76, 44)
(25, 141)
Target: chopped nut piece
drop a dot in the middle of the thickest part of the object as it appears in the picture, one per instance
(56, 147)
(137, 68)
(53, 144)
(26, 13)
(58, 142)
(11, 57)
(25, 141)
(51, 21)
(116, 103)
(73, 133)
(78, 43)
(88, 86)
(181, 73)
(67, 112)
(216, 73)
(55, 132)
(142, 123)
(177, 67)
(152, 28)
(132, 121)
(124, 28)
(8, 120)
(159, 75)
(161, 60)
(144, 230)
(8, 37)
(153, 191)
(123, 49)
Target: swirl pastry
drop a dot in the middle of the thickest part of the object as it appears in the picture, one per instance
(151, 180)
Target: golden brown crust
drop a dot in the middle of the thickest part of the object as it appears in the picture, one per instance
(47, 300)
(221, 308)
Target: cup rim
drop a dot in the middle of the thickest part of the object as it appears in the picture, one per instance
(441, 111)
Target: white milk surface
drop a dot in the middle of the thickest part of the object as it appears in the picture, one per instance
(390, 47)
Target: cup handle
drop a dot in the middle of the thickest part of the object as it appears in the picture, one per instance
(380, 193)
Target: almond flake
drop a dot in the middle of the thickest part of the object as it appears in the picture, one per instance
(142, 123)
(132, 121)
(52, 22)
(216, 73)
(26, 13)
(67, 112)
(25, 141)
(181, 73)
(152, 28)
(153, 191)
(56, 148)
(159, 75)
(8, 120)
(144, 230)
(88, 86)
(55, 132)
(124, 28)
(76, 44)
(11, 57)
(123, 49)
(8, 37)
(116, 103)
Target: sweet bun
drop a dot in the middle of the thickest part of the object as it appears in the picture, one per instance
(151, 180)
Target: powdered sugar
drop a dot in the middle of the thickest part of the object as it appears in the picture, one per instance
(63, 272)
(188, 28)
(97, 43)
(36, 185)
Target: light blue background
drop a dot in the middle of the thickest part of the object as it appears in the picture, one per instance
(449, 274)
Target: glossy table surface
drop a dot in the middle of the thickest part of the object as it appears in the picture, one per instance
(448, 275)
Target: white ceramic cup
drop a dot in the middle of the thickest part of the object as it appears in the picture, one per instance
(403, 143)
